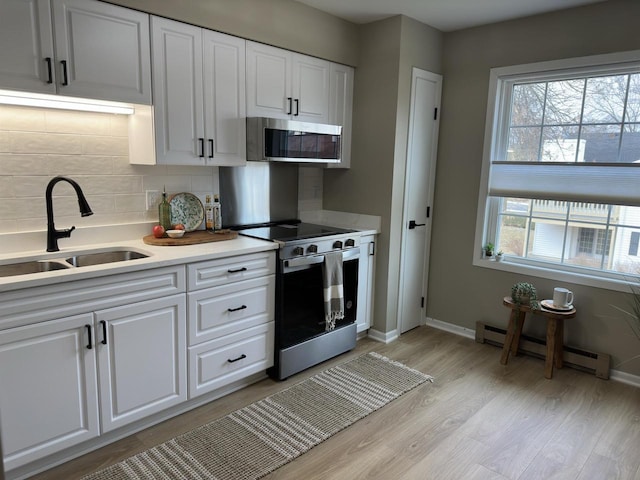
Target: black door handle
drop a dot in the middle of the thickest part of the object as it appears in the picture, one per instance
(49, 70)
(65, 73)
(90, 344)
(201, 144)
(413, 224)
(289, 100)
(104, 332)
(297, 107)
(211, 148)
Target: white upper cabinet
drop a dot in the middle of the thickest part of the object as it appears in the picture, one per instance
(341, 108)
(25, 26)
(199, 95)
(283, 84)
(101, 51)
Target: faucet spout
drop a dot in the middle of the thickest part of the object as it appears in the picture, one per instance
(85, 210)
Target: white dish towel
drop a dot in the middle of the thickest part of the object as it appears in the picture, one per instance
(333, 289)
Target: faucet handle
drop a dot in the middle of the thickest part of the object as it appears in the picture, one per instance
(65, 233)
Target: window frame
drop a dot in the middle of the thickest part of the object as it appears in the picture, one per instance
(496, 134)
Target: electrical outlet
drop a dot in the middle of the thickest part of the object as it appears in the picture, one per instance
(154, 197)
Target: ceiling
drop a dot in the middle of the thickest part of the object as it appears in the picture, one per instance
(445, 15)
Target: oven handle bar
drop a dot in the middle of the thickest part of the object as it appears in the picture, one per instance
(315, 259)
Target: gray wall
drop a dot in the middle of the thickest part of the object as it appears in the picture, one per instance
(374, 185)
(283, 23)
(460, 293)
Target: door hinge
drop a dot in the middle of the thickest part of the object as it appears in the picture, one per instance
(422, 302)
(435, 113)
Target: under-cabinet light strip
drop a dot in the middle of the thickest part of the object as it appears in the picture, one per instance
(11, 98)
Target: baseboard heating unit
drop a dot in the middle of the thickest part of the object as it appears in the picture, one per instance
(596, 363)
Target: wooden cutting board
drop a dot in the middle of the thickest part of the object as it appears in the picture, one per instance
(191, 238)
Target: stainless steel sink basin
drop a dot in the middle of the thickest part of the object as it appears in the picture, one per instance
(99, 258)
(23, 268)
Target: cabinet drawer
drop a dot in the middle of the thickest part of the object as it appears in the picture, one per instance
(232, 269)
(219, 362)
(219, 311)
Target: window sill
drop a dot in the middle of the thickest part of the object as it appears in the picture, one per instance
(538, 271)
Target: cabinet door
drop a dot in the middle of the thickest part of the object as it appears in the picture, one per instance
(142, 359)
(341, 108)
(48, 393)
(225, 99)
(366, 276)
(102, 51)
(177, 92)
(268, 81)
(25, 26)
(310, 89)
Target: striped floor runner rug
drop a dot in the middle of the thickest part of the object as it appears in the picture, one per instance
(255, 440)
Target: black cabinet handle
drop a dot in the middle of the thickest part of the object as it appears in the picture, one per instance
(236, 359)
(289, 99)
(236, 309)
(104, 332)
(201, 142)
(65, 73)
(89, 345)
(297, 107)
(413, 224)
(49, 70)
(237, 270)
(211, 148)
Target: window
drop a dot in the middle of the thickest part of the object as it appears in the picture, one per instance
(561, 171)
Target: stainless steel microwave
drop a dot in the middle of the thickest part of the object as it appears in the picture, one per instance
(274, 139)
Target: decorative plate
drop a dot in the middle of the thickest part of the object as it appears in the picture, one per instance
(186, 209)
(548, 304)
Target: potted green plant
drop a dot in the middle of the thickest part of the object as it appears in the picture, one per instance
(525, 294)
(488, 249)
(499, 254)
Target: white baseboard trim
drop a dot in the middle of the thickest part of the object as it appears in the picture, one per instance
(451, 328)
(384, 337)
(624, 377)
(616, 375)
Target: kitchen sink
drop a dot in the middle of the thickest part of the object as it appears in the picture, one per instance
(79, 260)
(23, 268)
(87, 259)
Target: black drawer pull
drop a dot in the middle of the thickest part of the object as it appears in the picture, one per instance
(104, 332)
(236, 309)
(237, 270)
(236, 359)
(89, 345)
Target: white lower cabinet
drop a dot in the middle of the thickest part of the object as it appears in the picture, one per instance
(141, 359)
(231, 310)
(217, 363)
(48, 389)
(366, 278)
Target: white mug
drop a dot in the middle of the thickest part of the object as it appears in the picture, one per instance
(562, 297)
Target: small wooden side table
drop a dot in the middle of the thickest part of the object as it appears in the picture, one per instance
(555, 333)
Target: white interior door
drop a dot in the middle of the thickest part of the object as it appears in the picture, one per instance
(422, 146)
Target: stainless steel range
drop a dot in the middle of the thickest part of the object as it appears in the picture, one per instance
(260, 201)
(302, 338)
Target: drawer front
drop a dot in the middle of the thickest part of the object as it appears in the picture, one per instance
(217, 363)
(220, 311)
(231, 269)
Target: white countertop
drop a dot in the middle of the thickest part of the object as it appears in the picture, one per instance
(159, 256)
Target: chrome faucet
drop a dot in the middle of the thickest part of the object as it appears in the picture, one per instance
(85, 210)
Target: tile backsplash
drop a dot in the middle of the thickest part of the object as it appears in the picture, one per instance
(37, 144)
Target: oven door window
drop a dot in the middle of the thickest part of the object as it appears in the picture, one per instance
(302, 303)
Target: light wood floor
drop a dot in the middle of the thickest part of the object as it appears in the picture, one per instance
(479, 420)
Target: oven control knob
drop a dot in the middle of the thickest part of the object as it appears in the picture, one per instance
(298, 251)
(312, 249)
(350, 243)
(337, 244)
